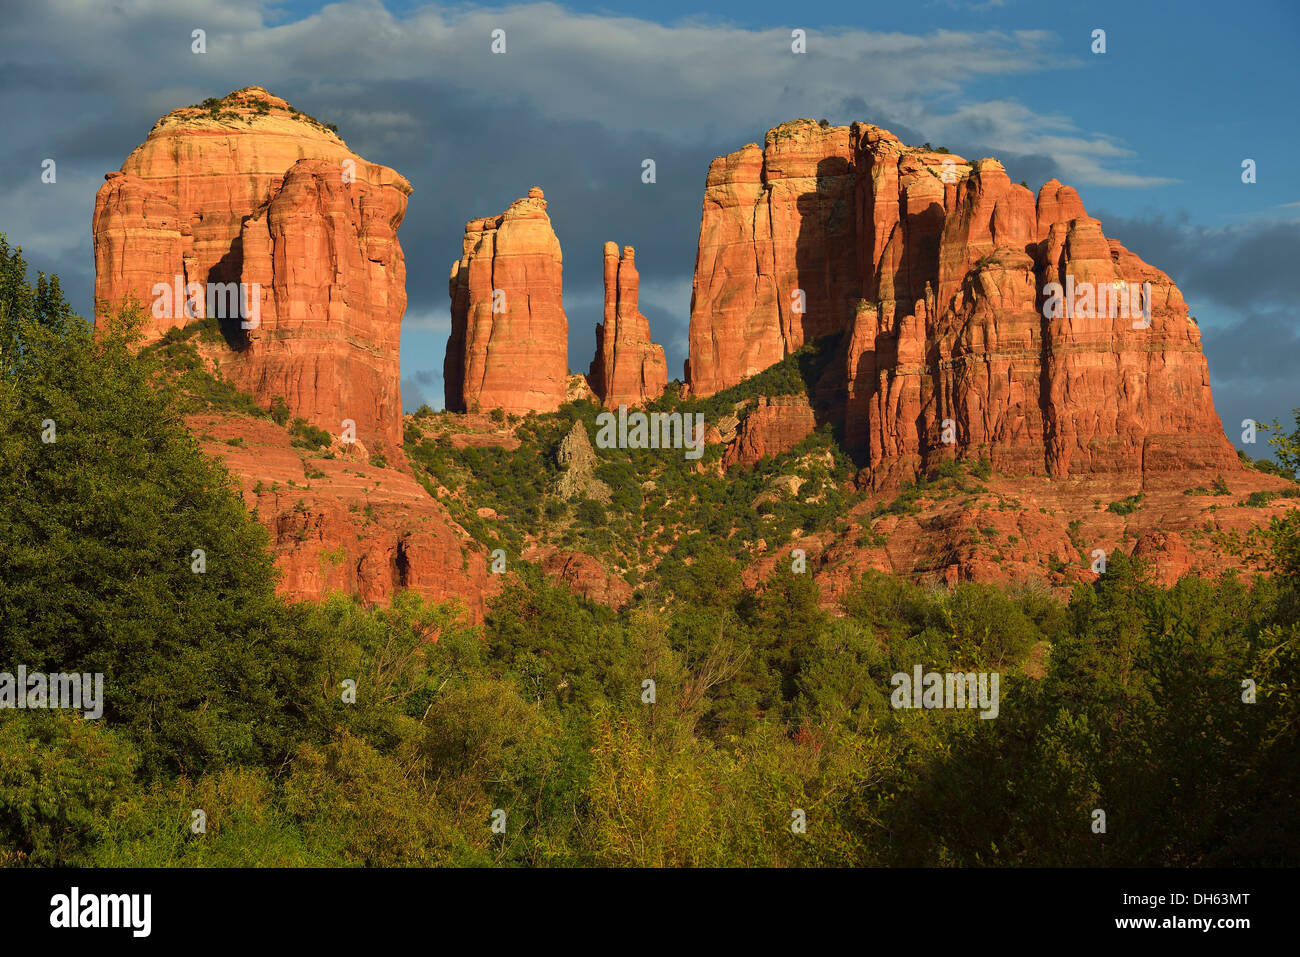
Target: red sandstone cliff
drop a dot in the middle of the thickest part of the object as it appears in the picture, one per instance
(776, 220)
(934, 272)
(628, 368)
(775, 425)
(248, 190)
(339, 524)
(509, 342)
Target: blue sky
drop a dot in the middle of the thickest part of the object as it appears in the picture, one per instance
(1152, 133)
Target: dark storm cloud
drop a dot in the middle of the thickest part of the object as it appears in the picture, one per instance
(1261, 346)
(467, 159)
(1237, 267)
(423, 388)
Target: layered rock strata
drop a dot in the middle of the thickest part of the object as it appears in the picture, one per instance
(628, 368)
(509, 342)
(246, 213)
(775, 425)
(936, 275)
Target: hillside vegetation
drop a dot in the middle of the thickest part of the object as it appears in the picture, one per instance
(222, 697)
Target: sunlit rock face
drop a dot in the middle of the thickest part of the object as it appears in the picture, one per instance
(937, 275)
(260, 217)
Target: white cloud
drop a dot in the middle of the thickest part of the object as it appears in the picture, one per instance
(626, 74)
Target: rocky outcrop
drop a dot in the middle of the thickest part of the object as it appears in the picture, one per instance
(628, 368)
(777, 222)
(578, 389)
(1165, 554)
(584, 574)
(340, 524)
(1033, 529)
(578, 459)
(775, 425)
(247, 190)
(509, 342)
(936, 275)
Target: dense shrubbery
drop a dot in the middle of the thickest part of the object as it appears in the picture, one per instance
(657, 499)
(225, 698)
(308, 436)
(198, 388)
(1127, 505)
(796, 374)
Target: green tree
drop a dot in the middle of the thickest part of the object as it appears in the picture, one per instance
(124, 550)
(59, 778)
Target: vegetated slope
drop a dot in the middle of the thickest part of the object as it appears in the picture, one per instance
(961, 522)
(222, 696)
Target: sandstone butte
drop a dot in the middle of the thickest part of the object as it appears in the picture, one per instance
(252, 191)
(931, 271)
(628, 368)
(509, 342)
(246, 189)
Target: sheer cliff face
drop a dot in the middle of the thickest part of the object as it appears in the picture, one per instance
(776, 220)
(509, 343)
(253, 192)
(628, 368)
(936, 273)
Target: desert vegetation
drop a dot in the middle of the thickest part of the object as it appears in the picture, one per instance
(224, 697)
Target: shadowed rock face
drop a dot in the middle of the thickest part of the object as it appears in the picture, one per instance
(628, 368)
(257, 193)
(776, 220)
(584, 574)
(932, 270)
(509, 342)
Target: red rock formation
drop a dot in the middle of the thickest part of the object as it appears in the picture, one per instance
(777, 222)
(326, 256)
(1027, 528)
(583, 574)
(902, 196)
(578, 389)
(935, 272)
(628, 368)
(1166, 554)
(344, 525)
(773, 426)
(251, 191)
(509, 342)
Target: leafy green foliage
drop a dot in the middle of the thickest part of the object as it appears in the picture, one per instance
(1127, 505)
(98, 540)
(279, 410)
(1286, 446)
(308, 436)
(657, 499)
(681, 731)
